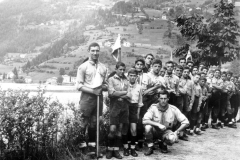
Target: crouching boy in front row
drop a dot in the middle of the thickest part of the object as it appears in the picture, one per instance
(159, 120)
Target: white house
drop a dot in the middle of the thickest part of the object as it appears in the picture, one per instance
(126, 44)
(73, 79)
(90, 27)
(52, 81)
(10, 75)
(66, 79)
(28, 79)
(1, 77)
(164, 17)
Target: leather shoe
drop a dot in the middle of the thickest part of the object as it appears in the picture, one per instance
(134, 153)
(109, 154)
(183, 138)
(117, 155)
(163, 147)
(215, 126)
(232, 125)
(149, 151)
(125, 152)
(137, 148)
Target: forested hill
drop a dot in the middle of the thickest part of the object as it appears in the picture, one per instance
(24, 24)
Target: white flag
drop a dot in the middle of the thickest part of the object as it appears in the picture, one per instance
(116, 48)
(189, 55)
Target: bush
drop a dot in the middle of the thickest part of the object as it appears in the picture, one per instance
(36, 128)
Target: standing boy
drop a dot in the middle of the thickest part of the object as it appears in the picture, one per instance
(119, 111)
(91, 76)
(135, 104)
(194, 124)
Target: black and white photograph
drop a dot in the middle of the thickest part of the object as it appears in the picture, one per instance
(120, 79)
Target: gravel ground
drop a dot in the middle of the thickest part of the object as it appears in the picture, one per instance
(223, 144)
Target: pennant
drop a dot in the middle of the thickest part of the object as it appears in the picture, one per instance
(189, 55)
(116, 48)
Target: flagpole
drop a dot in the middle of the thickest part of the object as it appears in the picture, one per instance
(119, 55)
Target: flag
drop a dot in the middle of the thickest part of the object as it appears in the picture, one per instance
(116, 49)
(171, 58)
(189, 55)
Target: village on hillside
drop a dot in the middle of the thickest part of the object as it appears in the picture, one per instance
(144, 31)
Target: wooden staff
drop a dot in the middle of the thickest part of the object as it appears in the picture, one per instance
(98, 103)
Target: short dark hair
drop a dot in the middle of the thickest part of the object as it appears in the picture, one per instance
(224, 73)
(132, 71)
(164, 91)
(181, 59)
(149, 54)
(229, 72)
(217, 70)
(204, 68)
(195, 67)
(168, 62)
(186, 67)
(157, 61)
(119, 64)
(198, 74)
(179, 66)
(94, 44)
(203, 78)
(189, 62)
(140, 60)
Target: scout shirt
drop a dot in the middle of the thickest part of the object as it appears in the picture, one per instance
(135, 94)
(204, 93)
(91, 74)
(172, 82)
(198, 93)
(216, 81)
(156, 79)
(115, 83)
(168, 118)
(186, 86)
(144, 80)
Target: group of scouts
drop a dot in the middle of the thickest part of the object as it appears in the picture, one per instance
(151, 104)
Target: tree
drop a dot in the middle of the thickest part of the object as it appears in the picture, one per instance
(217, 39)
(15, 72)
(171, 13)
(59, 80)
(61, 71)
(234, 67)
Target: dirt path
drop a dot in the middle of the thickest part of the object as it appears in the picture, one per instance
(211, 145)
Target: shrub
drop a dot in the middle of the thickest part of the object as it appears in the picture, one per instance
(38, 128)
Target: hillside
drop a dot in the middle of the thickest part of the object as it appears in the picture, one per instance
(62, 30)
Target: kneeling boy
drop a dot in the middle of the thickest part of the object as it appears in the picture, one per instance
(159, 120)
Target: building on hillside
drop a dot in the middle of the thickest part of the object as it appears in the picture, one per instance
(52, 81)
(66, 79)
(73, 80)
(12, 56)
(237, 4)
(164, 17)
(10, 75)
(90, 27)
(126, 44)
(28, 79)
